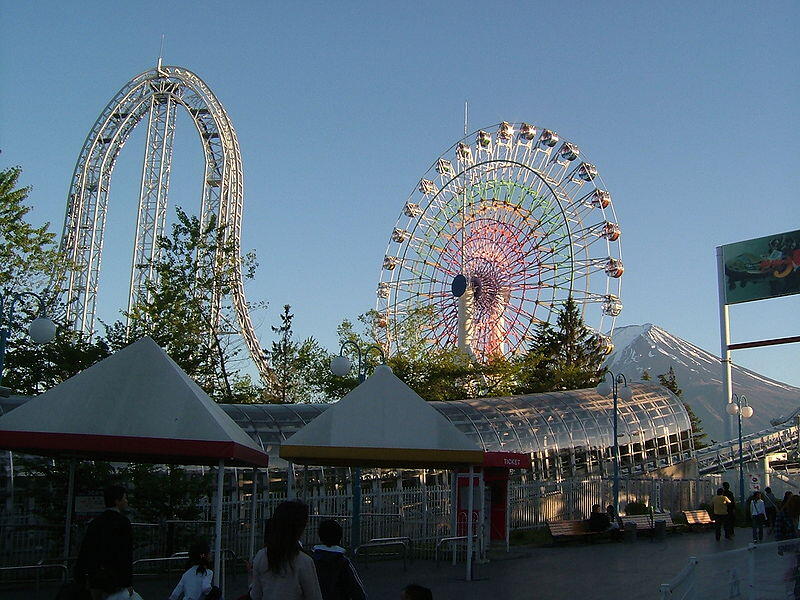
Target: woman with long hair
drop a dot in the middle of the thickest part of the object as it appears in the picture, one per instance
(280, 570)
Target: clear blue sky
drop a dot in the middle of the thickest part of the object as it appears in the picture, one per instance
(690, 113)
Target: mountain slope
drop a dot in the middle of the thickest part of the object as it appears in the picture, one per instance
(699, 374)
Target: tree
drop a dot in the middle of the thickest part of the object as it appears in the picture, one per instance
(196, 265)
(670, 381)
(646, 375)
(293, 364)
(565, 357)
(28, 254)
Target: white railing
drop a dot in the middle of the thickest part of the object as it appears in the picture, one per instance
(757, 572)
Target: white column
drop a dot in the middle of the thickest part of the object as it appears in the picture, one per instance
(218, 523)
(70, 505)
(466, 320)
(251, 548)
(725, 340)
(453, 510)
(470, 509)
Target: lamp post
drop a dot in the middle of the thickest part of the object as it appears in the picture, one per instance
(605, 388)
(340, 366)
(739, 407)
(41, 330)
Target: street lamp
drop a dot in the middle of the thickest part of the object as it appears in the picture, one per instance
(41, 330)
(743, 410)
(605, 388)
(340, 366)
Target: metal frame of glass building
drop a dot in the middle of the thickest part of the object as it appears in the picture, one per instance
(567, 433)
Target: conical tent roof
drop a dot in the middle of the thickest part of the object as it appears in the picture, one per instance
(382, 422)
(136, 405)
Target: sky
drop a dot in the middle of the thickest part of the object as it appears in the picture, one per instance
(689, 110)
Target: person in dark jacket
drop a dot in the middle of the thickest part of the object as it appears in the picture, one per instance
(730, 522)
(337, 576)
(105, 560)
(599, 521)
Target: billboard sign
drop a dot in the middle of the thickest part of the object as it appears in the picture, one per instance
(766, 267)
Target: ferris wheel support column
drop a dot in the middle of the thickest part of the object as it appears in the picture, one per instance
(466, 320)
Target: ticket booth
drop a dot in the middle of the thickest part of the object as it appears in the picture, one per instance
(490, 495)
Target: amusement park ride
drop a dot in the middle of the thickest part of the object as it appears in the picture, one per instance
(502, 229)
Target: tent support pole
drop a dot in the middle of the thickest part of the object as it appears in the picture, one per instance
(253, 508)
(355, 534)
(470, 509)
(70, 505)
(218, 524)
(454, 509)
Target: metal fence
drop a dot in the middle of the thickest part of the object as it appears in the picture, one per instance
(759, 571)
(422, 513)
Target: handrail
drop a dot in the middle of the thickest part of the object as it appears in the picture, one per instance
(453, 538)
(60, 567)
(385, 543)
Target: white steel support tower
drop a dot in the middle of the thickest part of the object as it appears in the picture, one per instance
(155, 94)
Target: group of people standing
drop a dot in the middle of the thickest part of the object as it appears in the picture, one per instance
(762, 509)
(281, 570)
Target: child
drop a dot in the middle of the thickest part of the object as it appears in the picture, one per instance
(338, 579)
(416, 592)
(195, 584)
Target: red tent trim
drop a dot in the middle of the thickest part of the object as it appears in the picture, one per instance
(130, 448)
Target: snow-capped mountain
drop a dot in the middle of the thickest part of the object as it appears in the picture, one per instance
(699, 373)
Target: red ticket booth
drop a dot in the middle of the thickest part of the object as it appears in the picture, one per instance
(490, 494)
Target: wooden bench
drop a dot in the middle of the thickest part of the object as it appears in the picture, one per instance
(698, 518)
(643, 522)
(564, 530)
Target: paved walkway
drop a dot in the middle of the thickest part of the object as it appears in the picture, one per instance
(613, 571)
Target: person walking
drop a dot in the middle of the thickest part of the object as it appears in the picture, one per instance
(338, 579)
(719, 504)
(758, 515)
(105, 559)
(730, 522)
(195, 583)
(771, 504)
(280, 570)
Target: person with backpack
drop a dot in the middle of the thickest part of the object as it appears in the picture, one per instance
(338, 578)
(195, 583)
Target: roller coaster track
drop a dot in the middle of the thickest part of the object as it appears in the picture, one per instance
(725, 455)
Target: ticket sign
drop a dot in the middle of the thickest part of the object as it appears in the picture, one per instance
(767, 267)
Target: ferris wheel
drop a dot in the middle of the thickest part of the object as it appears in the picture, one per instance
(504, 227)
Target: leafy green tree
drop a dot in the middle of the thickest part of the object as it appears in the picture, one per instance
(196, 266)
(670, 381)
(28, 254)
(566, 356)
(646, 375)
(293, 364)
(158, 493)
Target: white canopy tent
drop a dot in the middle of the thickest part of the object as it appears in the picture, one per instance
(134, 406)
(384, 423)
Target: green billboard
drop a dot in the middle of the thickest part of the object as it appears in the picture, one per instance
(765, 267)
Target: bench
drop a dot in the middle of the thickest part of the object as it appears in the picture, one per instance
(698, 518)
(563, 530)
(643, 522)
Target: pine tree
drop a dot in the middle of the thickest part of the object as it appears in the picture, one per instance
(646, 375)
(565, 357)
(670, 381)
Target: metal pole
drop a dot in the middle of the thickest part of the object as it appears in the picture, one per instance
(725, 340)
(616, 448)
(291, 493)
(218, 523)
(741, 460)
(470, 509)
(453, 510)
(70, 504)
(482, 519)
(253, 508)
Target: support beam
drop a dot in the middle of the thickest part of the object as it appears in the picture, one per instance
(218, 524)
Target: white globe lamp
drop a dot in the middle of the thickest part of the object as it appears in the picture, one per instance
(42, 330)
(626, 393)
(604, 388)
(732, 408)
(747, 412)
(340, 366)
